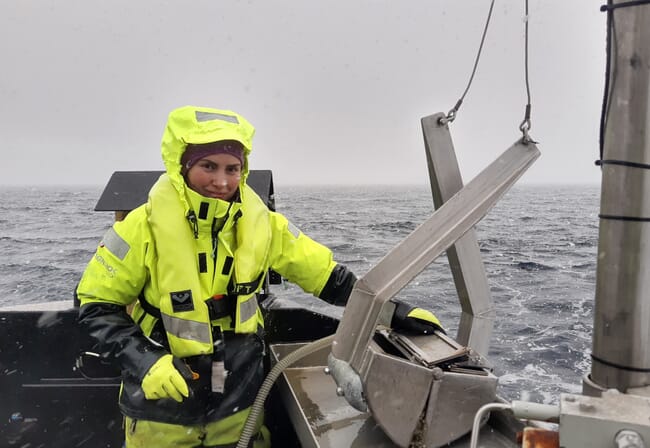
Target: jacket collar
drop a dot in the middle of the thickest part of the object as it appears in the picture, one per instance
(209, 211)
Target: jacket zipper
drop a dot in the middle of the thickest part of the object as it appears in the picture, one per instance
(191, 217)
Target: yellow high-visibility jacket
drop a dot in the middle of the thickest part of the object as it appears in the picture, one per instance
(174, 255)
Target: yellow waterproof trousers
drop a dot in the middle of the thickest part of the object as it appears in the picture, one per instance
(220, 434)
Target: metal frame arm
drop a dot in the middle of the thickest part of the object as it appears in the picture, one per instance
(406, 260)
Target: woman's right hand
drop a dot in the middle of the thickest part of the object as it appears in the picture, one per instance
(163, 380)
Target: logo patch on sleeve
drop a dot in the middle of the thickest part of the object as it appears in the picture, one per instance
(182, 301)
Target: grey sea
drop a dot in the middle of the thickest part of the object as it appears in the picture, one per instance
(538, 245)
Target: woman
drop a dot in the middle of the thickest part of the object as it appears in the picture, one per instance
(191, 260)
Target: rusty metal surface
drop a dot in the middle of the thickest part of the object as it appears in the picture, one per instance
(540, 438)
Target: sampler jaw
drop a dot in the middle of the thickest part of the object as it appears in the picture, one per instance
(424, 389)
(420, 390)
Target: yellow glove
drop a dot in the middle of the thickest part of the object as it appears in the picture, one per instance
(411, 319)
(163, 380)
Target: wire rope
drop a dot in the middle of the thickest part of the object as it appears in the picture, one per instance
(451, 115)
(525, 125)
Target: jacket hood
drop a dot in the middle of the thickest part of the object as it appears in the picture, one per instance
(198, 125)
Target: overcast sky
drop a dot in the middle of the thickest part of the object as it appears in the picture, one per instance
(336, 89)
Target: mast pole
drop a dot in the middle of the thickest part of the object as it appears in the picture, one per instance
(621, 334)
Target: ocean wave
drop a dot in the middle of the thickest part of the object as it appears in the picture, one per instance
(534, 266)
(58, 239)
(405, 226)
(583, 266)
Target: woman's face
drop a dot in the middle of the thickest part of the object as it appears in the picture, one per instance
(215, 176)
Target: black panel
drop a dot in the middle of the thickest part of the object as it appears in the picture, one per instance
(262, 182)
(46, 402)
(296, 324)
(126, 190)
